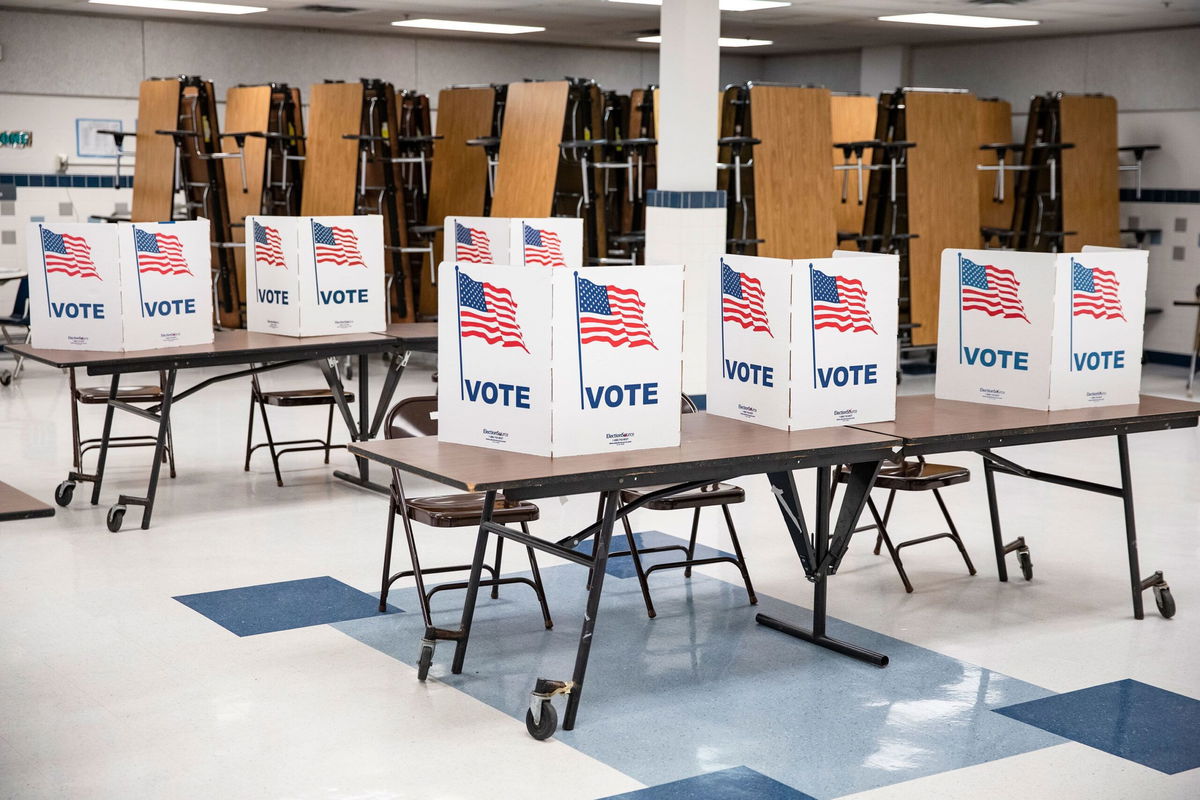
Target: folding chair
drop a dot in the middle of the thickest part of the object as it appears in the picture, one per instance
(290, 398)
(916, 476)
(98, 396)
(19, 318)
(414, 416)
(716, 494)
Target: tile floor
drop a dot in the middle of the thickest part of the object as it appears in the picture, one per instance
(112, 687)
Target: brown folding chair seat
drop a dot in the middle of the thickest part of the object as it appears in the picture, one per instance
(98, 396)
(913, 476)
(413, 416)
(289, 398)
(716, 494)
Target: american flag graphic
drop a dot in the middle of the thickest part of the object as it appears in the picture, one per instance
(471, 245)
(334, 245)
(612, 315)
(840, 303)
(159, 252)
(742, 300)
(991, 290)
(488, 312)
(68, 254)
(543, 247)
(1095, 293)
(268, 247)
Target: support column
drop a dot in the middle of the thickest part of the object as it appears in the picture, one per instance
(685, 216)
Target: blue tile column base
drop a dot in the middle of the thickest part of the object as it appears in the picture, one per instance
(667, 198)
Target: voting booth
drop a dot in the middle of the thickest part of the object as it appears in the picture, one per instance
(166, 283)
(1042, 330)
(315, 276)
(560, 362)
(130, 286)
(475, 240)
(809, 343)
(546, 242)
(74, 286)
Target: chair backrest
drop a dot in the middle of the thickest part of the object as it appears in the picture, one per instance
(412, 417)
(687, 405)
(20, 309)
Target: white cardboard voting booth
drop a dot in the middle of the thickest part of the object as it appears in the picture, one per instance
(804, 343)
(475, 240)
(550, 362)
(74, 286)
(1041, 330)
(315, 276)
(546, 242)
(166, 283)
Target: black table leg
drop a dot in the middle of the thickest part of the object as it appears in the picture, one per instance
(460, 648)
(366, 427)
(1135, 572)
(600, 546)
(820, 556)
(395, 371)
(114, 386)
(989, 480)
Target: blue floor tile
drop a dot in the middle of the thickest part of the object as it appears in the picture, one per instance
(718, 691)
(622, 567)
(738, 783)
(282, 606)
(1138, 722)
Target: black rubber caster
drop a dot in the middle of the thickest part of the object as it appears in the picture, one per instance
(1026, 564)
(1164, 601)
(116, 515)
(5, 378)
(424, 662)
(545, 727)
(64, 492)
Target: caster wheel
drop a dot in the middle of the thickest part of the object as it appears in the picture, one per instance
(116, 515)
(1164, 601)
(5, 378)
(548, 724)
(64, 492)
(424, 662)
(1026, 564)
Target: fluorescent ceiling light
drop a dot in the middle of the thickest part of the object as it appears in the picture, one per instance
(723, 41)
(182, 5)
(724, 5)
(469, 27)
(959, 20)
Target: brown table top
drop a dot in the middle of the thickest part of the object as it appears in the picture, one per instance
(415, 335)
(227, 346)
(15, 504)
(929, 425)
(712, 447)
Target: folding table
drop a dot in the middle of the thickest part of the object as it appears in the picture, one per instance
(258, 352)
(928, 425)
(712, 449)
(15, 504)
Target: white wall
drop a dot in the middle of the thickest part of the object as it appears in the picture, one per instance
(838, 72)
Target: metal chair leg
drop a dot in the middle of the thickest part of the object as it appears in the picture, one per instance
(691, 550)
(329, 433)
(262, 409)
(887, 540)
(499, 555)
(637, 566)
(249, 432)
(537, 582)
(887, 515)
(170, 450)
(737, 551)
(954, 532)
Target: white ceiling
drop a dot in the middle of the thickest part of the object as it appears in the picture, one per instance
(805, 26)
